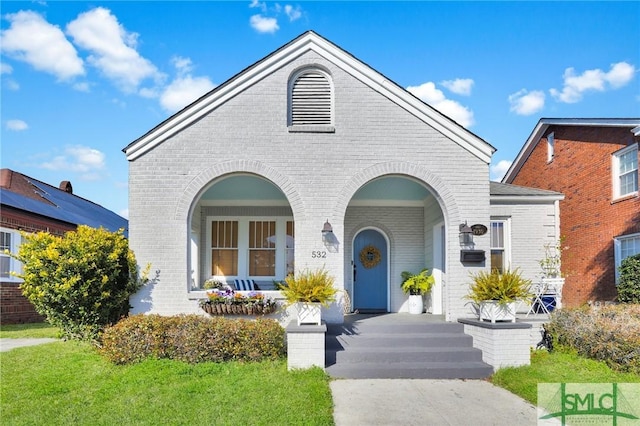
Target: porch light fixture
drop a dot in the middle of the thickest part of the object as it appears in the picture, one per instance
(327, 231)
(329, 239)
(466, 236)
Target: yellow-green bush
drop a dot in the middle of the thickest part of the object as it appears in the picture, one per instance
(80, 282)
(609, 333)
(193, 339)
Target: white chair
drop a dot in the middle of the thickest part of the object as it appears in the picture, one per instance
(539, 304)
(542, 292)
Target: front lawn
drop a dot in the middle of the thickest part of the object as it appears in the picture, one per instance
(65, 383)
(556, 367)
(41, 329)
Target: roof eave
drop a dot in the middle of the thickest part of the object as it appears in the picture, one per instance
(543, 125)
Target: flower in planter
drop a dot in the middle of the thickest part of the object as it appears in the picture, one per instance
(226, 301)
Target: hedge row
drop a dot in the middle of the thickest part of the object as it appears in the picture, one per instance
(609, 333)
(193, 339)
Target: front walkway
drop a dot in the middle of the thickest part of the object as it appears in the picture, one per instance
(380, 402)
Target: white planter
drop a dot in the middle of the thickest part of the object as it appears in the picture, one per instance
(491, 310)
(309, 313)
(416, 304)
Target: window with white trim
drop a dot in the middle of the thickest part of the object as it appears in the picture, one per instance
(625, 246)
(250, 247)
(500, 242)
(9, 240)
(311, 101)
(625, 171)
(551, 146)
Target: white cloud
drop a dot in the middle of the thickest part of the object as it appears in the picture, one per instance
(16, 125)
(113, 48)
(459, 86)
(124, 213)
(263, 24)
(33, 40)
(293, 13)
(261, 5)
(499, 170)
(82, 87)
(5, 68)
(524, 102)
(620, 74)
(428, 93)
(182, 65)
(185, 88)
(597, 80)
(87, 161)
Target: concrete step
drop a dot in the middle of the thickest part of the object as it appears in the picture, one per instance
(411, 370)
(403, 354)
(365, 328)
(398, 346)
(406, 340)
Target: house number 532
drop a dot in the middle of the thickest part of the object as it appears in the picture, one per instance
(317, 254)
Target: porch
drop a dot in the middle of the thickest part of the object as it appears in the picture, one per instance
(400, 345)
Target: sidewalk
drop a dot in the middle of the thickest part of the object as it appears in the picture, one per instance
(8, 344)
(382, 402)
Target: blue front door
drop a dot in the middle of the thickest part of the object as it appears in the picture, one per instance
(370, 271)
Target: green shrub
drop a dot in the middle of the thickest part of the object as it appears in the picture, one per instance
(610, 334)
(629, 285)
(192, 339)
(82, 281)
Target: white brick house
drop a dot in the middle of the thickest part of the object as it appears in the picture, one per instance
(227, 186)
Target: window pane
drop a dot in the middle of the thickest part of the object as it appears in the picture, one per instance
(224, 262)
(5, 241)
(497, 235)
(224, 245)
(262, 263)
(262, 234)
(627, 172)
(629, 183)
(629, 247)
(497, 260)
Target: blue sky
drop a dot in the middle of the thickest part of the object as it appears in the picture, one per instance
(81, 80)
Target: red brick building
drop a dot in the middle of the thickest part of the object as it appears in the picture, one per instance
(594, 163)
(32, 206)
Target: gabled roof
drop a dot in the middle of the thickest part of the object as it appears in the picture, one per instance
(507, 192)
(30, 195)
(309, 41)
(541, 128)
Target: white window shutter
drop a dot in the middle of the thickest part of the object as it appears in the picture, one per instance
(617, 256)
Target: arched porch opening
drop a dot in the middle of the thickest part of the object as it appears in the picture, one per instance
(404, 213)
(241, 227)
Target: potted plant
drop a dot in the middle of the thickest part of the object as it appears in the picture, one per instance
(496, 293)
(417, 285)
(309, 290)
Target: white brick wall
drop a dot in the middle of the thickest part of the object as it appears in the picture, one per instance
(305, 346)
(318, 172)
(502, 347)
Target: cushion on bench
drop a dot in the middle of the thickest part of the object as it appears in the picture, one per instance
(245, 285)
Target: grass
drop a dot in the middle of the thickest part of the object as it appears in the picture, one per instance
(64, 383)
(556, 367)
(41, 329)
